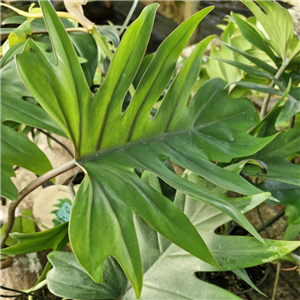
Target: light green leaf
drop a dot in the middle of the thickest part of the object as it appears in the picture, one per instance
(22, 225)
(82, 286)
(277, 24)
(258, 62)
(16, 149)
(17, 36)
(33, 242)
(291, 232)
(250, 33)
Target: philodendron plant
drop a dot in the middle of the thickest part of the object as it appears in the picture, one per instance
(122, 228)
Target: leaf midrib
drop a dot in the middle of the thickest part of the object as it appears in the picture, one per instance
(161, 137)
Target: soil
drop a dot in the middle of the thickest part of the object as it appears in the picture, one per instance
(229, 281)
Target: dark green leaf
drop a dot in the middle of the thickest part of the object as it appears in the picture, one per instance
(291, 107)
(275, 154)
(86, 48)
(258, 87)
(247, 68)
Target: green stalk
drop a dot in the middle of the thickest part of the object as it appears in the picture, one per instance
(267, 98)
(27, 190)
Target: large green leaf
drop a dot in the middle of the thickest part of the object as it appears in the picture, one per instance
(169, 272)
(110, 144)
(16, 149)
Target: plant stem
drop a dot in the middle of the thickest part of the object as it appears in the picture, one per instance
(27, 190)
(267, 98)
(129, 15)
(276, 281)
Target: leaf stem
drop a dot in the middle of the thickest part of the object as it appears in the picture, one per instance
(57, 141)
(27, 190)
(276, 281)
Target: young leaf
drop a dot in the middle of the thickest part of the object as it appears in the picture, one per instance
(250, 33)
(277, 23)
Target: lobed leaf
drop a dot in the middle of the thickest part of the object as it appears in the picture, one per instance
(169, 272)
(110, 144)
